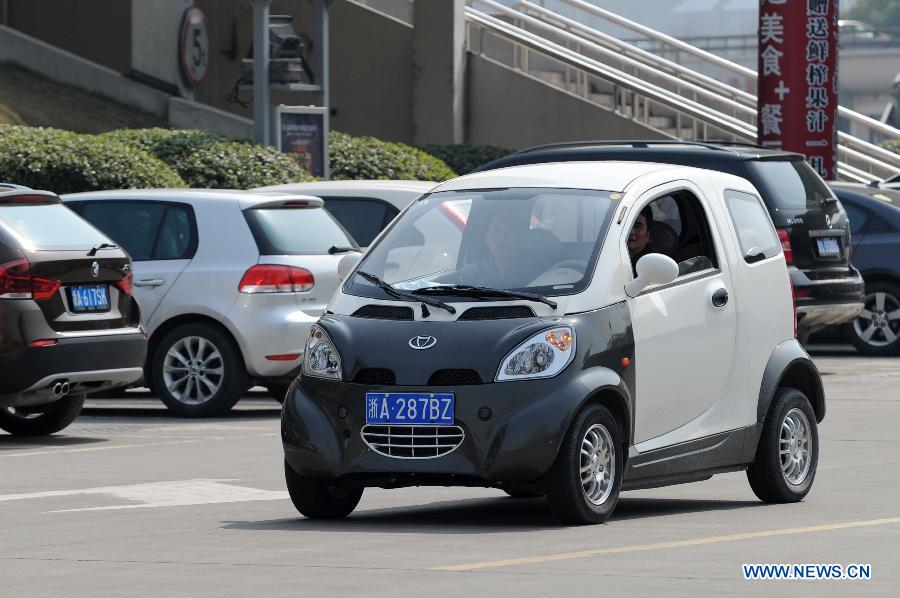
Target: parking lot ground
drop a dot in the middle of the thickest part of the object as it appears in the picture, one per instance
(131, 502)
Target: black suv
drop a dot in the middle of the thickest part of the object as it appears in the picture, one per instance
(68, 322)
(811, 223)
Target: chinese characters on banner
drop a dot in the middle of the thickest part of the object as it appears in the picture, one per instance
(797, 106)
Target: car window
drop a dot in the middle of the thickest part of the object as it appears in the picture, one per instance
(132, 225)
(858, 218)
(146, 230)
(789, 184)
(363, 218)
(296, 231)
(754, 228)
(49, 227)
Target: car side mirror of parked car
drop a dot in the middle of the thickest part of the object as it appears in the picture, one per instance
(653, 268)
(347, 263)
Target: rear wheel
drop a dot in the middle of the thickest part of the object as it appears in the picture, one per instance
(319, 498)
(41, 420)
(197, 371)
(586, 479)
(788, 452)
(876, 331)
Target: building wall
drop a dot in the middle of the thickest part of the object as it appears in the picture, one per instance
(99, 30)
(511, 110)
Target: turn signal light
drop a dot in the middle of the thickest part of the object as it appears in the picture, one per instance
(785, 239)
(276, 278)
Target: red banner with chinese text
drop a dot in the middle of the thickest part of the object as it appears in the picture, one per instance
(797, 105)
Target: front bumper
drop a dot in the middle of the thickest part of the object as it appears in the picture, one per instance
(518, 442)
(88, 363)
(824, 299)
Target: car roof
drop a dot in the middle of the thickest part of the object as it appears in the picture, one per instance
(244, 199)
(647, 150)
(605, 176)
(398, 193)
(884, 201)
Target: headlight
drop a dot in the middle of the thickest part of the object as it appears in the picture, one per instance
(321, 358)
(542, 356)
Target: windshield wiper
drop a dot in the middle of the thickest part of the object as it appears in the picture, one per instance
(335, 249)
(465, 290)
(404, 295)
(94, 250)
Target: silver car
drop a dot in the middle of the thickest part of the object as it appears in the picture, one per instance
(229, 283)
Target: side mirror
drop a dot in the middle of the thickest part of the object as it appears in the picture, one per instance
(653, 268)
(347, 263)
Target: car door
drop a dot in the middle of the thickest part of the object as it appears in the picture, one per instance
(160, 237)
(684, 333)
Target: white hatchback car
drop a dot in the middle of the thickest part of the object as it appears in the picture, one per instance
(229, 283)
(364, 208)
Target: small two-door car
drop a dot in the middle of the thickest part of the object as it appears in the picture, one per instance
(516, 329)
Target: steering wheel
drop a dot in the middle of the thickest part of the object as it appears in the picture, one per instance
(572, 264)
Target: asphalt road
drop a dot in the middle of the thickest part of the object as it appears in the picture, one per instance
(131, 502)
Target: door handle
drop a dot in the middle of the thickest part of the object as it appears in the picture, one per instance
(720, 297)
(149, 282)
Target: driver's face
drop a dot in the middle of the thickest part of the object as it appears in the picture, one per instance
(639, 236)
(503, 239)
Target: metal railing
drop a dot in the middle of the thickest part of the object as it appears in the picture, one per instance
(661, 94)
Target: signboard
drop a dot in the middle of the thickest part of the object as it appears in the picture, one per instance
(798, 83)
(193, 47)
(302, 131)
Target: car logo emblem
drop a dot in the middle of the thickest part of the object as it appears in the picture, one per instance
(95, 269)
(422, 342)
(827, 220)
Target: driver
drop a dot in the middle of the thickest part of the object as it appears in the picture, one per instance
(502, 265)
(639, 243)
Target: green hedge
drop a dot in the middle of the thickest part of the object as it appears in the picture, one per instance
(66, 162)
(370, 158)
(208, 160)
(465, 158)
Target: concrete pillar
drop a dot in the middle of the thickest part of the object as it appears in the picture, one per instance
(439, 62)
(156, 29)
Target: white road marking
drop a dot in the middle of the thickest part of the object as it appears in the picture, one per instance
(161, 494)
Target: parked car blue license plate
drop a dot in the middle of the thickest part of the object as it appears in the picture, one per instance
(410, 408)
(89, 297)
(829, 247)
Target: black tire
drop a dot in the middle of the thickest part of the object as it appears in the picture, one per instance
(232, 382)
(766, 476)
(878, 344)
(522, 493)
(41, 420)
(317, 498)
(565, 494)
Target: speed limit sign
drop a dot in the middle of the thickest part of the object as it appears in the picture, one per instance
(194, 47)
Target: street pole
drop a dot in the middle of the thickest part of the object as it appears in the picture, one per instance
(261, 71)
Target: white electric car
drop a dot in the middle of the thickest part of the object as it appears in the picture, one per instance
(229, 283)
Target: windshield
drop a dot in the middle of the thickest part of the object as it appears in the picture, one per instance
(534, 240)
(295, 231)
(50, 227)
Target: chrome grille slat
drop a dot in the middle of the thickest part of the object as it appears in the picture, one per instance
(412, 441)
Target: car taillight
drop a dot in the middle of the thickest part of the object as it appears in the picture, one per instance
(16, 282)
(786, 246)
(274, 278)
(126, 285)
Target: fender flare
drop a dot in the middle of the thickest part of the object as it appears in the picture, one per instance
(790, 365)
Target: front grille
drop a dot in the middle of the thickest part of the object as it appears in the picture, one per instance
(384, 312)
(497, 313)
(382, 376)
(412, 442)
(454, 378)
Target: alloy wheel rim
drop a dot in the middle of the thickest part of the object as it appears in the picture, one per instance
(879, 323)
(193, 370)
(597, 464)
(795, 447)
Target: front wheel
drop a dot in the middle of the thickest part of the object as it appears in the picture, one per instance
(319, 498)
(585, 481)
(788, 451)
(41, 420)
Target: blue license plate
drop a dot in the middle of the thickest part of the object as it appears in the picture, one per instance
(89, 297)
(434, 408)
(829, 247)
